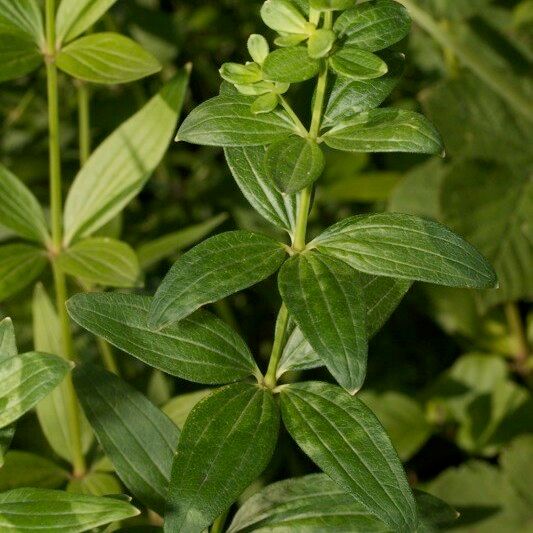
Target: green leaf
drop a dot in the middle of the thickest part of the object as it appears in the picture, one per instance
(200, 348)
(385, 130)
(229, 121)
(96, 483)
(326, 302)
(76, 16)
(107, 58)
(348, 97)
(290, 65)
(345, 440)
(22, 17)
(24, 469)
(137, 437)
(101, 261)
(8, 342)
(331, 5)
(294, 163)
(227, 442)
(248, 168)
(266, 103)
(214, 269)
(118, 169)
(19, 209)
(298, 355)
(517, 464)
(241, 74)
(57, 511)
(283, 16)
(434, 514)
(310, 504)
(25, 380)
(150, 253)
(357, 64)
(19, 56)
(20, 264)
(179, 408)
(320, 43)
(258, 48)
(406, 247)
(6, 436)
(373, 25)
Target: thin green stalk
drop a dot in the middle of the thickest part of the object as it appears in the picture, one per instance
(56, 209)
(280, 337)
(518, 332)
(218, 524)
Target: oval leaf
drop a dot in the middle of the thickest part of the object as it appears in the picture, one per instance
(357, 64)
(22, 17)
(18, 56)
(290, 65)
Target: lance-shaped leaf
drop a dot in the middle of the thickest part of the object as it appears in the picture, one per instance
(357, 64)
(325, 299)
(25, 380)
(347, 442)
(216, 268)
(76, 16)
(200, 348)
(229, 121)
(19, 56)
(107, 58)
(373, 25)
(118, 169)
(8, 342)
(19, 209)
(135, 435)
(407, 247)
(226, 444)
(290, 65)
(312, 503)
(179, 408)
(20, 264)
(55, 511)
(101, 261)
(247, 164)
(385, 130)
(22, 17)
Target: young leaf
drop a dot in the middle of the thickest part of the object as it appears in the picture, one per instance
(385, 130)
(19, 209)
(226, 443)
(373, 25)
(248, 168)
(229, 121)
(22, 17)
(258, 48)
(95, 483)
(121, 165)
(137, 437)
(294, 163)
(283, 16)
(290, 65)
(346, 440)
(27, 379)
(325, 300)
(179, 408)
(20, 264)
(8, 343)
(56, 511)
(200, 348)
(101, 261)
(357, 64)
(107, 58)
(407, 247)
(216, 268)
(320, 43)
(76, 16)
(19, 56)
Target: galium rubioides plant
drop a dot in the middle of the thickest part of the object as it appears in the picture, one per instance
(337, 290)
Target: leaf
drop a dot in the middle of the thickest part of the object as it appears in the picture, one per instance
(290, 65)
(76, 16)
(283, 16)
(107, 58)
(349, 97)
(406, 247)
(160, 248)
(294, 163)
(229, 121)
(373, 25)
(20, 264)
(6, 436)
(137, 437)
(517, 465)
(331, 5)
(101, 261)
(227, 442)
(385, 130)
(8, 342)
(320, 43)
(357, 64)
(52, 411)
(25, 380)
(200, 348)
(118, 169)
(96, 483)
(57, 511)
(325, 300)
(434, 514)
(19, 56)
(24, 469)
(179, 408)
(247, 164)
(214, 269)
(19, 209)
(311, 504)
(342, 436)
(22, 17)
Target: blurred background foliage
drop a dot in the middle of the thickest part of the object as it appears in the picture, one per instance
(451, 373)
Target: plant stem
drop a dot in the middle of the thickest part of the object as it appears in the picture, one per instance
(84, 125)
(218, 524)
(297, 122)
(518, 332)
(56, 208)
(277, 349)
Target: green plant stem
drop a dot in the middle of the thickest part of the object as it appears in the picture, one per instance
(280, 337)
(56, 209)
(84, 124)
(218, 524)
(518, 332)
(297, 122)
